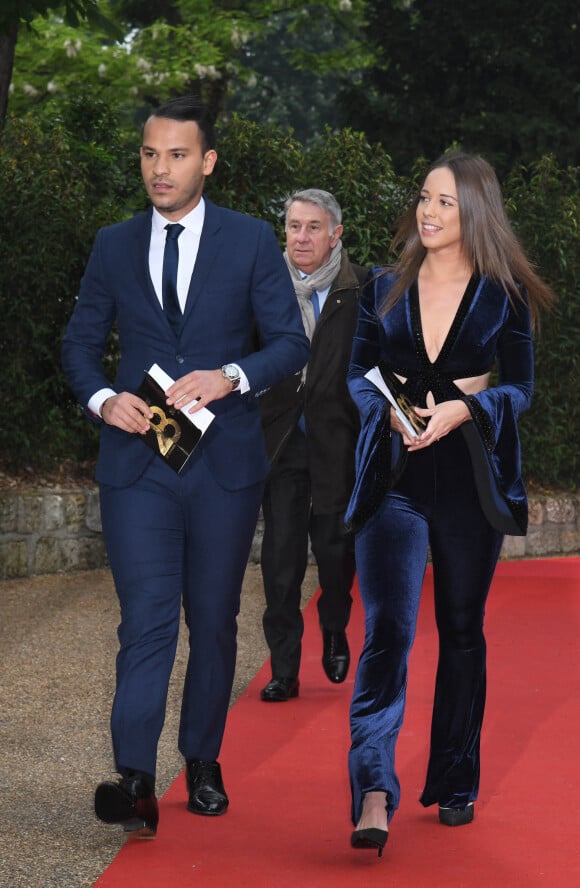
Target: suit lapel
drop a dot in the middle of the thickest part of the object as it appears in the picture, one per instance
(140, 264)
(140, 258)
(208, 247)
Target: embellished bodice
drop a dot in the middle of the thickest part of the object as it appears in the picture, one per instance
(489, 328)
(412, 362)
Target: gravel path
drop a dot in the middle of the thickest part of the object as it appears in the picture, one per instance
(57, 644)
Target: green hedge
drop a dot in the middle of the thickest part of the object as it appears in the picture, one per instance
(60, 180)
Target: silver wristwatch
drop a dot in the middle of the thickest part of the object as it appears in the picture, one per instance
(232, 374)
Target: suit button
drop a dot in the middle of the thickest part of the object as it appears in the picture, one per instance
(179, 358)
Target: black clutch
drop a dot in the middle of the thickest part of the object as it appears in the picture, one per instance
(171, 434)
(387, 383)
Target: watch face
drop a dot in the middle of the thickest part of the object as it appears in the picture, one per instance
(231, 372)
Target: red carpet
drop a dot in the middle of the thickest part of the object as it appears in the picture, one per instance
(284, 768)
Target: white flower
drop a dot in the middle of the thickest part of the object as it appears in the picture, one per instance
(72, 48)
(345, 5)
(143, 65)
(51, 87)
(252, 82)
(133, 91)
(207, 71)
(29, 90)
(102, 70)
(239, 38)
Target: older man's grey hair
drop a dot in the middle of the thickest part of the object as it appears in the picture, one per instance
(322, 199)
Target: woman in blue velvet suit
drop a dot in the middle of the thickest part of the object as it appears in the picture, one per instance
(460, 300)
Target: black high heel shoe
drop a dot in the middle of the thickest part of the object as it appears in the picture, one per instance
(370, 838)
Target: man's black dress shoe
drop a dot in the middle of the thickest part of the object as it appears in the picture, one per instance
(131, 802)
(335, 655)
(206, 788)
(457, 816)
(280, 689)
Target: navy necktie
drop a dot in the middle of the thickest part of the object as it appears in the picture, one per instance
(169, 276)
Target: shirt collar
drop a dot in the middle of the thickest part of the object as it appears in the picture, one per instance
(193, 221)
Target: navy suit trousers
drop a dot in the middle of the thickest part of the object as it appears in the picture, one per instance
(172, 540)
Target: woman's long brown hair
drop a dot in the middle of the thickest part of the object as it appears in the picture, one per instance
(490, 245)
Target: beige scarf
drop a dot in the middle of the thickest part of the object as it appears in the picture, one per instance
(320, 279)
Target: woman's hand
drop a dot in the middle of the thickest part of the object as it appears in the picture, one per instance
(443, 418)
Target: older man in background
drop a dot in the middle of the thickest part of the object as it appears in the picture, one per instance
(311, 428)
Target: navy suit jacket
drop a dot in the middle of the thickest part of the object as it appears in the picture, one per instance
(240, 279)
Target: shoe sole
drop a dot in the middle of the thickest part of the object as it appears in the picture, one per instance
(289, 696)
(193, 810)
(457, 816)
(138, 829)
(278, 699)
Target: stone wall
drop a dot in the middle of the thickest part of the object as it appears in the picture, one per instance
(44, 532)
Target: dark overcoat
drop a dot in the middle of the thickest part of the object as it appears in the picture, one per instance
(331, 418)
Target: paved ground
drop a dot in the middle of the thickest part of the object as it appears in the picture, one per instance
(57, 649)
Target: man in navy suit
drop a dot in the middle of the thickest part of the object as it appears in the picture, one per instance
(179, 538)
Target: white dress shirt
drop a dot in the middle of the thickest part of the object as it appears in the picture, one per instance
(188, 243)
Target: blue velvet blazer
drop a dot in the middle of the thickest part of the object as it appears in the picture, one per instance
(489, 330)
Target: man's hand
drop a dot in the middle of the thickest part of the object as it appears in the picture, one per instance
(127, 412)
(203, 385)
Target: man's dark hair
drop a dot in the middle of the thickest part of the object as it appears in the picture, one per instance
(190, 108)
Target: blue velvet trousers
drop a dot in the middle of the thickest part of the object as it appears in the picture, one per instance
(434, 505)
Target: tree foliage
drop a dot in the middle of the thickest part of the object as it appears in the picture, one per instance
(170, 47)
(14, 13)
(63, 177)
(59, 182)
(500, 78)
(544, 203)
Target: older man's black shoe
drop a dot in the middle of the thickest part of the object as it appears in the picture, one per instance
(130, 802)
(278, 690)
(206, 788)
(457, 816)
(335, 655)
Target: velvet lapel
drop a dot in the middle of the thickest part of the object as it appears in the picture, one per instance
(463, 309)
(208, 247)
